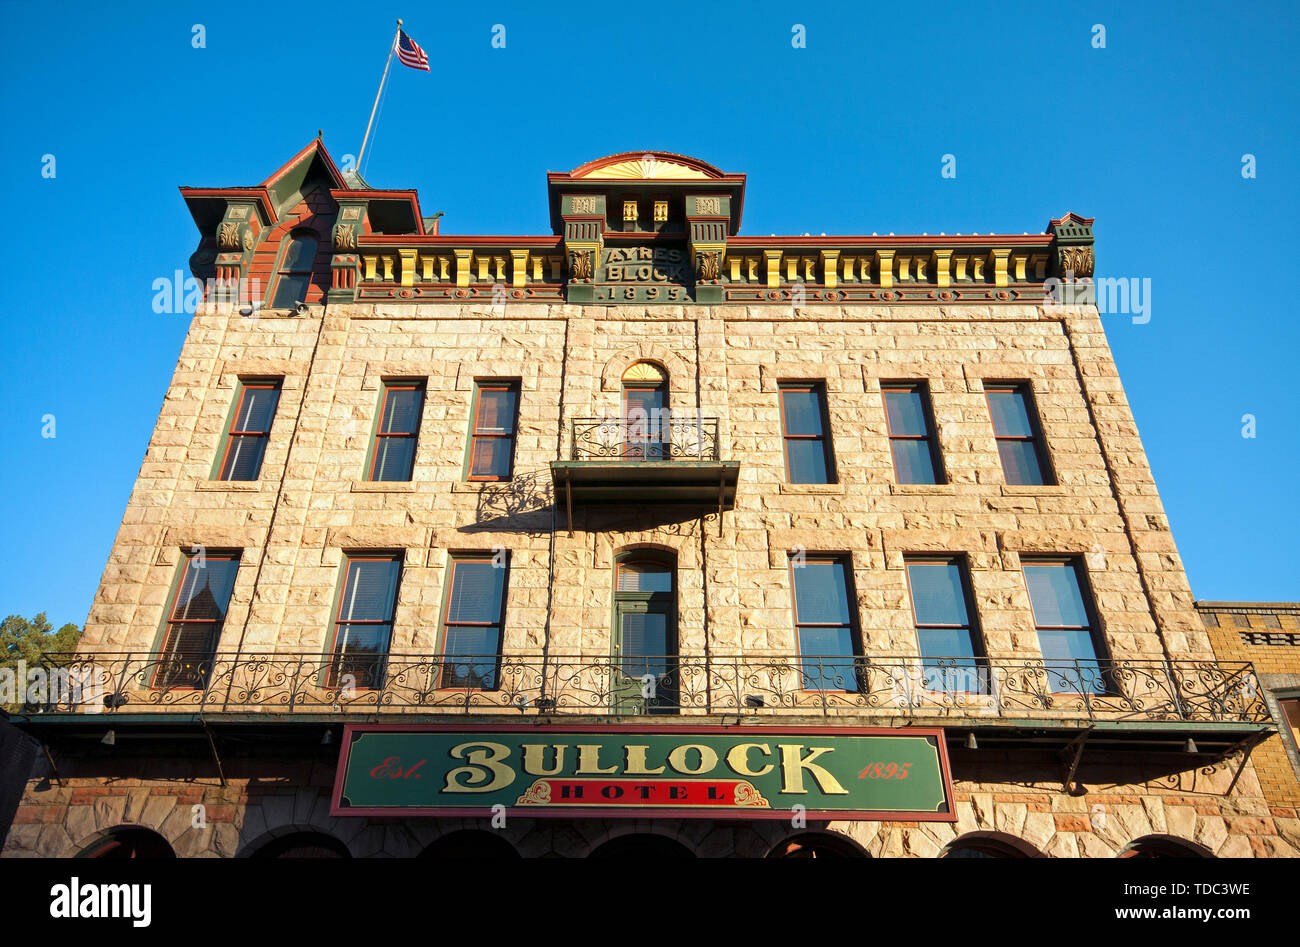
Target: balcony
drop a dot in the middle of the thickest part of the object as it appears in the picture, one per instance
(901, 688)
(664, 459)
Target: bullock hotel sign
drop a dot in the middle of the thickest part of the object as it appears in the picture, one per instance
(629, 771)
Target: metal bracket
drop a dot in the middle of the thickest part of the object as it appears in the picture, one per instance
(1077, 744)
(1246, 746)
(53, 769)
(216, 758)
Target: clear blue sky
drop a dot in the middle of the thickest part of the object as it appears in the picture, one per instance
(844, 136)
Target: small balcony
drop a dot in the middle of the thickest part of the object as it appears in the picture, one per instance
(661, 459)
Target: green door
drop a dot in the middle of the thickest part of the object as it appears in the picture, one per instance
(644, 641)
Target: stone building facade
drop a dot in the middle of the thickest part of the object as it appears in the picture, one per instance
(646, 284)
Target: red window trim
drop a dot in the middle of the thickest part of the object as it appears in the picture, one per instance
(233, 432)
(475, 434)
(171, 620)
(927, 418)
(1035, 435)
(281, 272)
(333, 653)
(499, 624)
(820, 390)
(972, 627)
(1101, 651)
(381, 433)
(855, 643)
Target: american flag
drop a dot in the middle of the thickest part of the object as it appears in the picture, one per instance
(409, 52)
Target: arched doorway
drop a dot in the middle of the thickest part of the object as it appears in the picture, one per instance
(128, 842)
(817, 845)
(470, 844)
(642, 846)
(987, 845)
(1159, 846)
(303, 845)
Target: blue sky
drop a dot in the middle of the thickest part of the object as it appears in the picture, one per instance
(846, 135)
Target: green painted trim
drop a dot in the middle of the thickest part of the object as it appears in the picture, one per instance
(440, 640)
(384, 385)
(240, 384)
(518, 386)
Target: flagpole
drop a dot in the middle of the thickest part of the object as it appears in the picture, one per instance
(388, 62)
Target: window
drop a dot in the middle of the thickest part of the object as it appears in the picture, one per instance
(644, 641)
(393, 452)
(823, 619)
(1066, 630)
(294, 275)
(645, 416)
(951, 649)
(492, 438)
(803, 427)
(1291, 710)
(364, 623)
(911, 437)
(472, 618)
(249, 431)
(1020, 444)
(194, 621)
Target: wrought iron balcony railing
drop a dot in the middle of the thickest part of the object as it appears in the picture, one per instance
(657, 436)
(909, 687)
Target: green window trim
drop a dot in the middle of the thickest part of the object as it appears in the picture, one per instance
(486, 433)
(332, 663)
(375, 451)
(165, 675)
(230, 432)
(485, 674)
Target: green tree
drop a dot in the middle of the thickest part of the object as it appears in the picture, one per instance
(23, 640)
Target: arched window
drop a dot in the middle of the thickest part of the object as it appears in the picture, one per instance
(642, 846)
(982, 846)
(294, 274)
(129, 842)
(470, 844)
(1157, 847)
(817, 845)
(644, 639)
(303, 845)
(645, 412)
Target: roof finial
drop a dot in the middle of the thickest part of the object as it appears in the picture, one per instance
(320, 133)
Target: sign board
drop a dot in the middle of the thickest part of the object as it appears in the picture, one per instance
(627, 771)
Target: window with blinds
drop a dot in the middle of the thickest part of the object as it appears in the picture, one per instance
(392, 455)
(492, 436)
(473, 617)
(294, 274)
(364, 623)
(249, 429)
(195, 617)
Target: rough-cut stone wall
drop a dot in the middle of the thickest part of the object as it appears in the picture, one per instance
(1019, 802)
(311, 505)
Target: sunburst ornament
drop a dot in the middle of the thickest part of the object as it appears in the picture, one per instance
(648, 167)
(644, 371)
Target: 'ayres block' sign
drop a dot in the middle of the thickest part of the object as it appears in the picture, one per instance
(628, 771)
